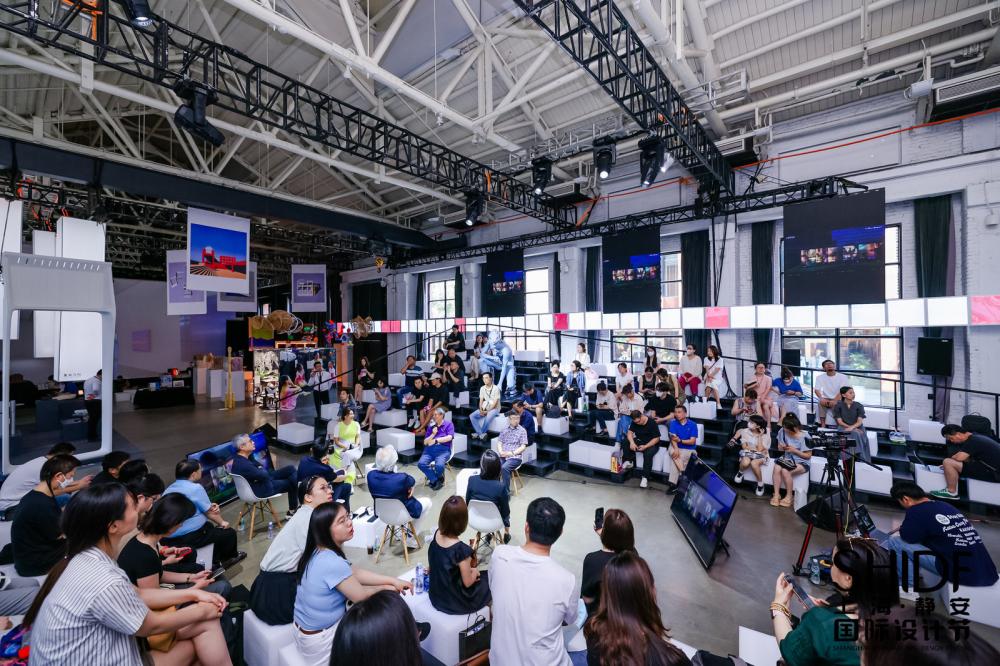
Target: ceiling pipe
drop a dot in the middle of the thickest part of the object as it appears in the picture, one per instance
(702, 42)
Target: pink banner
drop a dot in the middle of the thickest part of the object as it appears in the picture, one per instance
(984, 310)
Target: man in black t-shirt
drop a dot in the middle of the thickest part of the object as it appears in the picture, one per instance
(453, 357)
(643, 435)
(36, 540)
(978, 458)
(454, 376)
(660, 407)
(455, 340)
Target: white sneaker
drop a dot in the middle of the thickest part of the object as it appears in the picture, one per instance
(627, 465)
(760, 490)
(738, 479)
(644, 483)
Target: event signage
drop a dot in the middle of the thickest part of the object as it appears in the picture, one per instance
(218, 252)
(309, 288)
(180, 299)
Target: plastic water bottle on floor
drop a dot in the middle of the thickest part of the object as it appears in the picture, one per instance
(243, 523)
(418, 580)
(270, 530)
(814, 571)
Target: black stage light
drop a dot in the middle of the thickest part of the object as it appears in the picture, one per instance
(650, 159)
(541, 173)
(604, 157)
(138, 12)
(191, 116)
(474, 202)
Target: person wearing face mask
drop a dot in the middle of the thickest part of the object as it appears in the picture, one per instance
(35, 537)
(689, 371)
(753, 442)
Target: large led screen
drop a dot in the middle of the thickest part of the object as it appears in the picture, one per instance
(630, 263)
(503, 284)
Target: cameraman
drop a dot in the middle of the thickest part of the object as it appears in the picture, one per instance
(318, 464)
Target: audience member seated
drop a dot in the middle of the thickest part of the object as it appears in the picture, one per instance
(439, 361)
(555, 384)
(345, 444)
(534, 401)
(793, 461)
(132, 470)
(513, 442)
(943, 537)
(713, 365)
(437, 398)
(457, 585)
(935, 643)
(455, 340)
(826, 387)
(454, 377)
(346, 402)
(364, 379)
(320, 382)
(111, 465)
(583, 357)
(623, 378)
(683, 442)
(147, 490)
(525, 420)
(140, 558)
(628, 402)
(617, 535)
(36, 541)
(850, 418)
(865, 582)
(25, 476)
(627, 627)
(272, 595)
(327, 581)
(288, 394)
(661, 405)
(753, 443)
(576, 386)
(651, 359)
(663, 376)
(689, 371)
(978, 458)
(605, 408)
(787, 392)
(438, 439)
(490, 486)
(263, 482)
(643, 436)
(533, 597)
(745, 407)
(489, 407)
(385, 482)
(89, 612)
(413, 402)
(474, 370)
(361, 635)
(205, 527)
(383, 403)
(410, 371)
(318, 464)
(647, 383)
(761, 384)
(480, 344)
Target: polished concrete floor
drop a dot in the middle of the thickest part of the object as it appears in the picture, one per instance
(701, 608)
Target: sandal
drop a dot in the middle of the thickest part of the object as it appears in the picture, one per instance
(775, 501)
(787, 501)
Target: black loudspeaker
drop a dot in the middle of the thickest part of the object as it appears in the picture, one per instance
(825, 509)
(792, 359)
(935, 356)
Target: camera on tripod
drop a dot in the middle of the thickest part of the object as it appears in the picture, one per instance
(831, 442)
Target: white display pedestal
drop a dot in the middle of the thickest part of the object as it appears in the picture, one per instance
(201, 381)
(365, 532)
(217, 385)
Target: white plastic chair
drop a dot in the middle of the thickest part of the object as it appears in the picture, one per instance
(253, 504)
(447, 467)
(485, 517)
(397, 519)
(462, 481)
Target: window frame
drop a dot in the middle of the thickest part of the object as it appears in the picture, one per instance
(619, 336)
(547, 291)
(678, 281)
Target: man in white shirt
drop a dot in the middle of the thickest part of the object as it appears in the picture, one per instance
(319, 382)
(532, 595)
(92, 401)
(26, 476)
(827, 387)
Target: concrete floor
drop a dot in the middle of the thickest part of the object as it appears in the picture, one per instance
(701, 608)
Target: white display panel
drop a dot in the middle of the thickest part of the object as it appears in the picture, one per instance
(907, 312)
(531, 322)
(231, 302)
(833, 316)
(10, 215)
(692, 317)
(649, 320)
(518, 322)
(868, 315)
(493, 322)
(404, 326)
(800, 316)
(629, 320)
(743, 316)
(770, 316)
(506, 323)
(376, 326)
(218, 250)
(78, 354)
(180, 299)
(545, 322)
(670, 318)
(948, 311)
(593, 320)
(577, 321)
(610, 321)
(45, 324)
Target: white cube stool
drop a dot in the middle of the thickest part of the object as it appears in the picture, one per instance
(396, 380)
(600, 456)
(983, 602)
(296, 433)
(366, 439)
(987, 492)
(925, 431)
(757, 647)
(579, 452)
(658, 459)
(401, 440)
(928, 478)
(702, 410)
(391, 418)
(366, 529)
(529, 356)
(262, 642)
(426, 366)
(881, 418)
(559, 426)
(330, 411)
(530, 454)
(459, 443)
(871, 480)
(497, 425)
(442, 642)
(816, 466)
(461, 401)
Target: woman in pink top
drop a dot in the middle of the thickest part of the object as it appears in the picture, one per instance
(761, 382)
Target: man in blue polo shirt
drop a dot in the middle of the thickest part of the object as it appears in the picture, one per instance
(437, 449)
(683, 441)
(207, 525)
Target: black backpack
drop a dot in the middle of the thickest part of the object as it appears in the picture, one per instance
(978, 423)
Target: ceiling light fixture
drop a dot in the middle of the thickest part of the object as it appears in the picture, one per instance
(191, 116)
(541, 174)
(650, 159)
(474, 203)
(604, 157)
(138, 12)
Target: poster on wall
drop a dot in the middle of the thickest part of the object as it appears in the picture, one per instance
(232, 302)
(10, 215)
(630, 264)
(219, 252)
(180, 299)
(503, 284)
(309, 288)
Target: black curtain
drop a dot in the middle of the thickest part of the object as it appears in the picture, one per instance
(368, 300)
(696, 266)
(458, 291)
(935, 264)
(419, 313)
(556, 273)
(593, 294)
(762, 280)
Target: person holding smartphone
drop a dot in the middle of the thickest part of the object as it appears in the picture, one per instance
(617, 534)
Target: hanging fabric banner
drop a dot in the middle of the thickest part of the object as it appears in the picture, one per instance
(309, 288)
(219, 251)
(180, 299)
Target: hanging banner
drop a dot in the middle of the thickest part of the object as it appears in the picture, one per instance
(309, 288)
(180, 299)
(10, 216)
(228, 302)
(78, 351)
(219, 252)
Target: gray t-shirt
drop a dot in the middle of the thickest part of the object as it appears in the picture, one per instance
(849, 415)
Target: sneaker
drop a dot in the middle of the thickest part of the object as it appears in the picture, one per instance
(760, 490)
(627, 465)
(644, 483)
(944, 493)
(738, 479)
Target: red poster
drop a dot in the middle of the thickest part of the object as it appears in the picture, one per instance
(460, 322)
(716, 317)
(560, 321)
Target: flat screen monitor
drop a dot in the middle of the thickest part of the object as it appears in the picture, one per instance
(217, 463)
(835, 250)
(702, 508)
(503, 284)
(935, 356)
(630, 264)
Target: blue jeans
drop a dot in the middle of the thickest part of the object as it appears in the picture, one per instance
(479, 422)
(437, 454)
(905, 551)
(509, 465)
(402, 393)
(623, 423)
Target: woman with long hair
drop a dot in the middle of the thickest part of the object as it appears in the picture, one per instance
(794, 459)
(576, 384)
(617, 535)
(713, 366)
(326, 581)
(490, 486)
(651, 360)
(383, 403)
(627, 629)
(440, 358)
(346, 445)
(752, 442)
(94, 613)
(363, 379)
(363, 633)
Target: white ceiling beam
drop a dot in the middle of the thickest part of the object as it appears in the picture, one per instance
(390, 33)
(467, 61)
(352, 27)
(756, 17)
(526, 76)
(702, 42)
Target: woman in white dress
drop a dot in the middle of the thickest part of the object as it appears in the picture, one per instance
(713, 365)
(584, 360)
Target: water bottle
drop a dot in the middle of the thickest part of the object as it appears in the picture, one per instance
(243, 523)
(418, 580)
(270, 530)
(427, 580)
(814, 571)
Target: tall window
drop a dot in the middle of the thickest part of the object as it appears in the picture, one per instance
(441, 299)
(630, 346)
(670, 280)
(536, 291)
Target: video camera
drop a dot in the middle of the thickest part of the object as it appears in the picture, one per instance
(831, 442)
